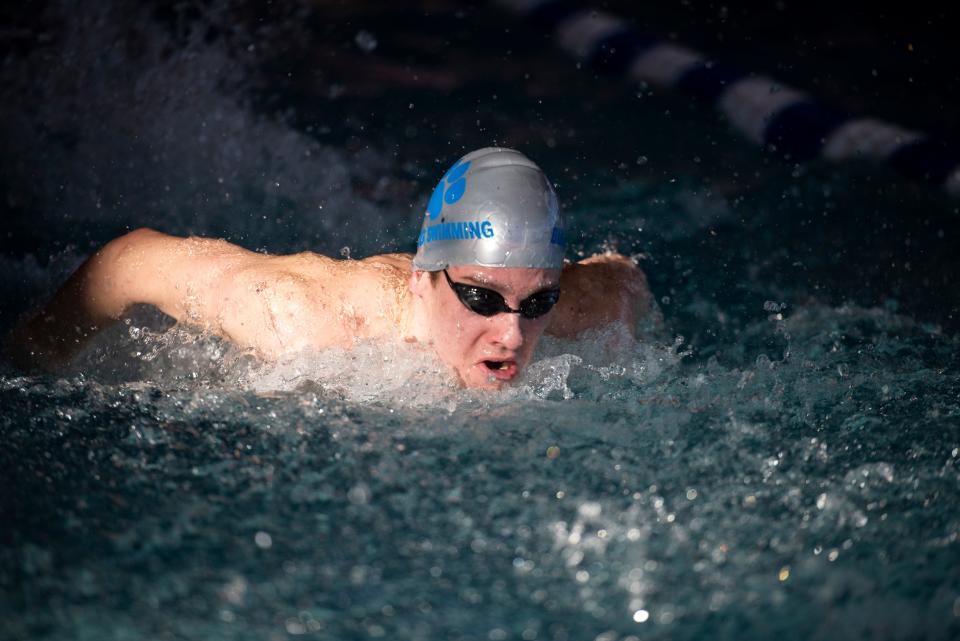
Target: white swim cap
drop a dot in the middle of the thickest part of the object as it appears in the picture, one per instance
(493, 208)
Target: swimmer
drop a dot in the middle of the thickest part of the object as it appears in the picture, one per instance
(487, 281)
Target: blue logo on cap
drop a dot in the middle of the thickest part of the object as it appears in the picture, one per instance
(456, 186)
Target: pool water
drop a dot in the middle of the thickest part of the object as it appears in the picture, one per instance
(777, 457)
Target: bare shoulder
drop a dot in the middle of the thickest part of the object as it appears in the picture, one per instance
(400, 264)
(384, 264)
(603, 289)
(352, 280)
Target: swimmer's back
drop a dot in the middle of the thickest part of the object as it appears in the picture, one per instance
(281, 304)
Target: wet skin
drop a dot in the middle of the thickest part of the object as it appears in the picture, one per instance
(276, 305)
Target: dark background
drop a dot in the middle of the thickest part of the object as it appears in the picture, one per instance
(479, 76)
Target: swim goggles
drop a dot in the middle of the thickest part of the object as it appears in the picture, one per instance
(487, 302)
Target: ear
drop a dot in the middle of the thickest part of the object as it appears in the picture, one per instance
(419, 283)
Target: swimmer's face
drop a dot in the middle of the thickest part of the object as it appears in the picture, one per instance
(486, 351)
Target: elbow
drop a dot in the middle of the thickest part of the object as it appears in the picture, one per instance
(113, 258)
(123, 244)
(141, 232)
(110, 281)
(134, 239)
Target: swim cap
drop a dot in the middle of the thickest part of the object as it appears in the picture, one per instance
(494, 208)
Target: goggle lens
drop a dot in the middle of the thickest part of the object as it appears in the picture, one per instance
(487, 302)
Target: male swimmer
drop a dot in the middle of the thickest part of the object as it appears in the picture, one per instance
(488, 279)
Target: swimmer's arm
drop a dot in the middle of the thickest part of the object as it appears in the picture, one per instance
(186, 278)
(598, 291)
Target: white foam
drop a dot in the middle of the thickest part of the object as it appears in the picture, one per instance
(605, 361)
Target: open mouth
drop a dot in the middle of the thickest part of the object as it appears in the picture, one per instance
(501, 370)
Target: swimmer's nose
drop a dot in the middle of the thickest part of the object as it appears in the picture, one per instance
(507, 331)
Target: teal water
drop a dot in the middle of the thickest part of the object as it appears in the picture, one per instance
(812, 496)
(778, 459)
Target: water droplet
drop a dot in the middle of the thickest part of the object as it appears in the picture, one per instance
(359, 494)
(589, 510)
(365, 40)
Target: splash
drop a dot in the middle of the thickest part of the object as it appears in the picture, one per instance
(116, 118)
(634, 487)
(604, 363)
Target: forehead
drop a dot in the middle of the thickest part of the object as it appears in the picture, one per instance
(506, 279)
